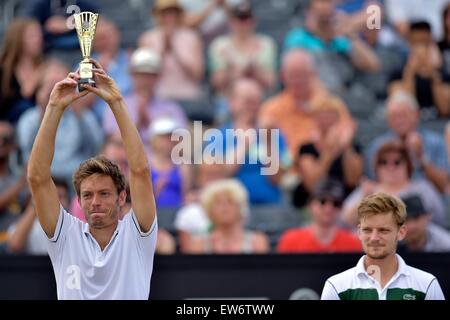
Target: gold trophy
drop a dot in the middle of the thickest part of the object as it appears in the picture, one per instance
(85, 23)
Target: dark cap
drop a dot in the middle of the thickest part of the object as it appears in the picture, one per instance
(242, 10)
(414, 206)
(329, 188)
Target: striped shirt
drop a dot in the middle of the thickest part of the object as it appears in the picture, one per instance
(408, 283)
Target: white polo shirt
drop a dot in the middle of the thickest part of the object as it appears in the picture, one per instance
(83, 271)
(408, 283)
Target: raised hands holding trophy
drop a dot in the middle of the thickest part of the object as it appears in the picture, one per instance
(85, 24)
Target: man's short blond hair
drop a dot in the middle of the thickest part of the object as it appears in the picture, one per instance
(99, 165)
(382, 203)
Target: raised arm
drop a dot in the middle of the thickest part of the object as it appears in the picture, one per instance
(142, 199)
(39, 175)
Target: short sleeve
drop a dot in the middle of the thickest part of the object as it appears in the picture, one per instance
(329, 292)
(434, 291)
(65, 222)
(137, 228)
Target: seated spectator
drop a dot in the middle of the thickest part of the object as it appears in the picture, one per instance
(247, 151)
(143, 102)
(393, 175)
(13, 187)
(422, 75)
(242, 53)
(191, 220)
(322, 33)
(390, 51)
(423, 235)
(181, 51)
(402, 13)
(329, 154)
(209, 17)
(53, 16)
(170, 181)
(79, 137)
(426, 148)
(26, 236)
(289, 110)
(323, 235)
(20, 68)
(226, 203)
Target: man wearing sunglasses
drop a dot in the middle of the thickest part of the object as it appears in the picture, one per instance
(323, 234)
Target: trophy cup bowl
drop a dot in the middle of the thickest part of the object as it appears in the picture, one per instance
(85, 24)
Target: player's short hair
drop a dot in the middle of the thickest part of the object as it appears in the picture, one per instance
(99, 165)
(382, 203)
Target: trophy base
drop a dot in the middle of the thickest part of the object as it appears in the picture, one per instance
(88, 81)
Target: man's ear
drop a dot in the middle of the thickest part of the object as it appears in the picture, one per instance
(122, 197)
(402, 231)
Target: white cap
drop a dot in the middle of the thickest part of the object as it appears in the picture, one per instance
(163, 125)
(145, 60)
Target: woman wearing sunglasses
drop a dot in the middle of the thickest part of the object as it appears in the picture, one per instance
(393, 171)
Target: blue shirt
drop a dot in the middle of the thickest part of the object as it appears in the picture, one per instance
(261, 190)
(303, 39)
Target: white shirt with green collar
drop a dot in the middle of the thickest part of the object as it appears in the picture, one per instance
(408, 283)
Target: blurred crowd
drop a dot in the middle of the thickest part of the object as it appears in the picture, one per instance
(359, 90)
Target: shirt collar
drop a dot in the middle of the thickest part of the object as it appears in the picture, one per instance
(86, 229)
(402, 267)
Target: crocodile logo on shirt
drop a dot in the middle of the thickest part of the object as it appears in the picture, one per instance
(409, 296)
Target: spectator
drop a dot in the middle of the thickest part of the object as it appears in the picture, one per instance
(393, 171)
(181, 51)
(423, 235)
(143, 102)
(26, 236)
(289, 110)
(20, 68)
(426, 148)
(247, 151)
(170, 181)
(323, 235)
(226, 203)
(422, 75)
(242, 53)
(191, 220)
(401, 13)
(13, 188)
(329, 154)
(209, 17)
(79, 136)
(322, 33)
(53, 17)
(114, 59)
